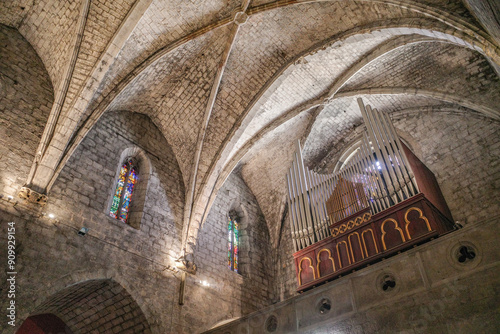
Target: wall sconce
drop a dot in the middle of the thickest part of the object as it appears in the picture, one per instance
(83, 231)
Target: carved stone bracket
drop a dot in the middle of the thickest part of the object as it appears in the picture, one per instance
(32, 196)
(185, 265)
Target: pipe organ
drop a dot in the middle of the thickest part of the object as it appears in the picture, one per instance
(381, 200)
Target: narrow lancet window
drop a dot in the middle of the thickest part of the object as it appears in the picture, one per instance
(232, 248)
(127, 179)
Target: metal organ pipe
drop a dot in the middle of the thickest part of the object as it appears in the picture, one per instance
(362, 181)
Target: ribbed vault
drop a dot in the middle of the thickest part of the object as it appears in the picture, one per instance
(233, 83)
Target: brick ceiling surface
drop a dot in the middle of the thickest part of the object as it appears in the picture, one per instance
(234, 83)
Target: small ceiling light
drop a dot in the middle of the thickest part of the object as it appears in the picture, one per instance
(204, 283)
(10, 198)
(52, 216)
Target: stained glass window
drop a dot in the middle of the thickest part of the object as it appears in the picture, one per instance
(127, 179)
(232, 245)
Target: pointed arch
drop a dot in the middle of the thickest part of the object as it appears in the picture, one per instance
(128, 194)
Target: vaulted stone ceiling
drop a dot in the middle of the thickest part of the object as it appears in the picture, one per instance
(233, 83)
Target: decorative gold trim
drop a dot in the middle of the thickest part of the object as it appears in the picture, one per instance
(358, 220)
(346, 250)
(319, 261)
(421, 216)
(350, 245)
(342, 228)
(364, 242)
(396, 226)
(351, 224)
(310, 266)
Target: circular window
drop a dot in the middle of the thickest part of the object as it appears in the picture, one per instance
(324, 306)
(387, 282)
(464, 254)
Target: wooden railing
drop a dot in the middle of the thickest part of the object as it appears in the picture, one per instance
(363, 239)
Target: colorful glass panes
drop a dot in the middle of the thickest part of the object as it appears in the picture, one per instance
(113, 212)
(120, 205)
(235, 245)
(132, 179)
(232, 245)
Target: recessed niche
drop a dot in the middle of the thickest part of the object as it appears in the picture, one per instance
(271, 324)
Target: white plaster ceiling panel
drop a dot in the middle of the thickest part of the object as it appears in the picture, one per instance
(163, 23)
(263, 47)
(438, 67)
(265, 166)
(174, 91)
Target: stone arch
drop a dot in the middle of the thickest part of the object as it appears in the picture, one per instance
(422, 27)
(450, 98)
(143, 164)
(95, 305)
(226, 160)
(26, 95)
(46, 323)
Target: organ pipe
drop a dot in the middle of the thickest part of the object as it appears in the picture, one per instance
(377, 175)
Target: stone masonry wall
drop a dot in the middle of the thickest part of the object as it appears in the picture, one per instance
(51, 256)
(96, 305)
(26, 97)
(286, 281)
(463, 152)
(433, 293)
(235, 294)
(83, 190)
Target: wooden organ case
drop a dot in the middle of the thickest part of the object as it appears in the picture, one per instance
(381, 201)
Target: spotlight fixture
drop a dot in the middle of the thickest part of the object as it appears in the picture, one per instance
(51, 216)
(204, 283)
(83, 231)
(10, 198)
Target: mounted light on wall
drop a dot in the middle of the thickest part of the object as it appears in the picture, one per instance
(204, 283)
(83, 231)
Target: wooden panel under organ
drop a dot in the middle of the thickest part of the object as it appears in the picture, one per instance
(382, 200)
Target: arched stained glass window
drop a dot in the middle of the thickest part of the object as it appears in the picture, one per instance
(127, 179)
(233, 244)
